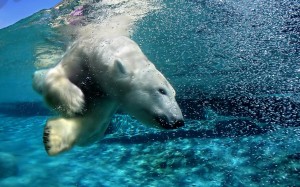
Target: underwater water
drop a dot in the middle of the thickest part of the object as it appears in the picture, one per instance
(234, 64)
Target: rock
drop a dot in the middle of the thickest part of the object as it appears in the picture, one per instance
(8, 165)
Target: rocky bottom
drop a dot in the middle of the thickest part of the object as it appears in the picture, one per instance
(216, 152)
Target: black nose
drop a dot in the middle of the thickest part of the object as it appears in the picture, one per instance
(166, 125)
(179, 123)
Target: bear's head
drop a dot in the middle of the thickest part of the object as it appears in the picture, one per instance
(148, 96)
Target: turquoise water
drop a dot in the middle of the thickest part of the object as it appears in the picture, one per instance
(235, 67)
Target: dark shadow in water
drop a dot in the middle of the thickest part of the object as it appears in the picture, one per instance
(295, 156)
(268, 109)
(23, 109)
(222, 129)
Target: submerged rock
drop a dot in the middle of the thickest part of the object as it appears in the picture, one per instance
(8, 165)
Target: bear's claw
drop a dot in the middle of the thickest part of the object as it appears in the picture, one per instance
(46, 138)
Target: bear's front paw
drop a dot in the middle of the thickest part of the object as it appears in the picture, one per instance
(65, 97)
(74, 101)
(56, 137)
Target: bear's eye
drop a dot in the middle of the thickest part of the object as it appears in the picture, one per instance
(162, 91)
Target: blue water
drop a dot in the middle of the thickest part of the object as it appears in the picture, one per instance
(235, 67)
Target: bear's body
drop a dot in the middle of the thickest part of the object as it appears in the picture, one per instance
(93, 79)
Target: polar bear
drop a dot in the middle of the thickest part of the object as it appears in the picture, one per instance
(95, 77)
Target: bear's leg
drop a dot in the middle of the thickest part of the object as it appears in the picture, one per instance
(61, 94)
(61, 134)
(39, 80)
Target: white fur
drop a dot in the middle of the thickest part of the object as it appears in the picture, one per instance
(63, 133)
(94, 77)
(101, 71)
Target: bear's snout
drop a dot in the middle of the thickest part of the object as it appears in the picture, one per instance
(166, 124)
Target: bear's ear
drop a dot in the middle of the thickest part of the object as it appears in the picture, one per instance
(120, 67)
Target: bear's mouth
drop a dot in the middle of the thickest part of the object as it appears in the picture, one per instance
(165, 124)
